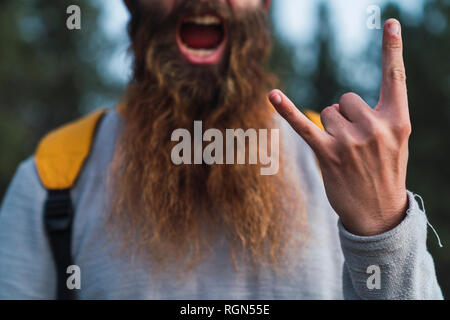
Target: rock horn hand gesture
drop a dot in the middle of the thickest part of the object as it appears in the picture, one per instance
(363, 152)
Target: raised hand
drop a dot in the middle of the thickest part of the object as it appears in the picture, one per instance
(363, 152)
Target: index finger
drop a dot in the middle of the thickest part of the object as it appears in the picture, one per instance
(393, 86)
(312, 134)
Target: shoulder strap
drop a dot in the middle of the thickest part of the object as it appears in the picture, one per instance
(61, 153)
(59, 159)
(314, 117)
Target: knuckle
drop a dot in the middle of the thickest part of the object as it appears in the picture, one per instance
(402, 130)
(376, 131)
(289, 112)
(394, 45)
(397, 74)
(347, 141)
(325, 114)
(378, 134)
(345, 98)
(327, 110)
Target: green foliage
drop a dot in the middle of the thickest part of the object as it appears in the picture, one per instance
(47, 73)
(312, 81)
(427, 52)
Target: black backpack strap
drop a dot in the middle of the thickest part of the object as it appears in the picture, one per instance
(58, 218)
(59, 160)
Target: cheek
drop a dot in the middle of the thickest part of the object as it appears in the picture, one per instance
(166, 5)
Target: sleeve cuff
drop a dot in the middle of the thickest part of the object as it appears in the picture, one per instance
(389, 247)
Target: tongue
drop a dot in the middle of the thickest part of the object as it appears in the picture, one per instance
(201, 36)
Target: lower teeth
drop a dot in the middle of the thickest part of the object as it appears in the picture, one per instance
(200, 52)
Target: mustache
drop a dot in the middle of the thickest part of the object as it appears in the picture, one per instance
(153, 12)
(153, 32)
(189, 8)
(159, 63)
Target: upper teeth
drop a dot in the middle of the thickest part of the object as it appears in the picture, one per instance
(205, 20)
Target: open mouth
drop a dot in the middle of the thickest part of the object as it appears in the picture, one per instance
(202, 39)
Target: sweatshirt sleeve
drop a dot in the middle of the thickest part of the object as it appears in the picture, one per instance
(26, 265)
(393, 265)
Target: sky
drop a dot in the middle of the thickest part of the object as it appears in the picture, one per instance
(295, 20)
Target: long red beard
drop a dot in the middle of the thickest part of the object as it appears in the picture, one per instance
(172, 214)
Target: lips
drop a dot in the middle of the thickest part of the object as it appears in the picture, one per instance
(202, 39)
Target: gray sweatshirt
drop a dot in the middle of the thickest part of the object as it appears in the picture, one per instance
(334, 264)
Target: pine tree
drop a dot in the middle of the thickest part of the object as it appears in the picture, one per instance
(49, 75)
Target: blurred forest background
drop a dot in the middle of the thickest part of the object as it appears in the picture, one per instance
(49, 76)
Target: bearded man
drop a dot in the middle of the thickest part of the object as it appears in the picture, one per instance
(335, 221)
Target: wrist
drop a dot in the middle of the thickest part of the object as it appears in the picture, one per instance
(375, 223)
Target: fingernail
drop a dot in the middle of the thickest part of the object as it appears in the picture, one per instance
(275, 98)
(394, 28)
